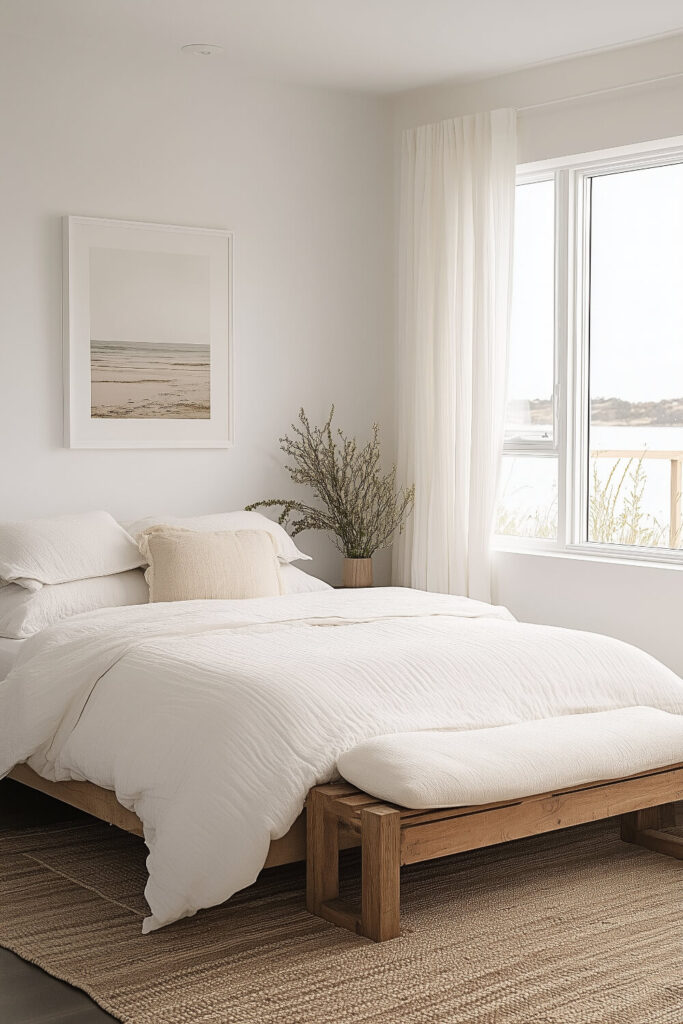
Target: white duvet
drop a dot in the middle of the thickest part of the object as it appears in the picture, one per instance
(212, 720)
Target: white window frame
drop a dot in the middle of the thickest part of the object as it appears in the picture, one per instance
(573, 177)
(529, 175)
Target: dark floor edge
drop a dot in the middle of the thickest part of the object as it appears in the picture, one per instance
(103, 1004)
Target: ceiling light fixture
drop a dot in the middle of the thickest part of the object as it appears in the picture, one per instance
(202, 49)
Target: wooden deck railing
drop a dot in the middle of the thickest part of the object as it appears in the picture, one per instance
(675, 460)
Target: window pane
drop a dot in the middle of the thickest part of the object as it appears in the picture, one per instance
(527, 497)
(531, 361)
(636, 358)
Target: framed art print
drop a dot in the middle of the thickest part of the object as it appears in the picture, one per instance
(147, 335)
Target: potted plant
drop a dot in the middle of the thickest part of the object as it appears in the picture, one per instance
(358, 505)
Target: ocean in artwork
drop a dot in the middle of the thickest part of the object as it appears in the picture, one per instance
(149, 380)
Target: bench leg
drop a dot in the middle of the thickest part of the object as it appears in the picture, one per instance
(644, 828)
(381, 873)
(322, 854)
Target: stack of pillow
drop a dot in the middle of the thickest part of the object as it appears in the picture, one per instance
(54, 568)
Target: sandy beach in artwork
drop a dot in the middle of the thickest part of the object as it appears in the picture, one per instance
(147, 380)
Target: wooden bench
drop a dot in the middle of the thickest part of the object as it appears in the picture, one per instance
(391, 836)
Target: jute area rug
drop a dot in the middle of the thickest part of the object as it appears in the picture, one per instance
(571, 928)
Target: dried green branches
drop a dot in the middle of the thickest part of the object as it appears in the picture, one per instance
(361, 507)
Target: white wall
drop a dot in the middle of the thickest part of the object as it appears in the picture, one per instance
(299, 175)
(640, 604)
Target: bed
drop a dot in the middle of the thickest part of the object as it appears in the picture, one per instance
(207, 724)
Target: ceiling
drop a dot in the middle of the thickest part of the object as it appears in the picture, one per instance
(379, 46)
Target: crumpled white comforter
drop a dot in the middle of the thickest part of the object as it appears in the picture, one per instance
(212, 719)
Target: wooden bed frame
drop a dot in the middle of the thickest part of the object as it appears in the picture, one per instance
(102, 804)
(341, 816)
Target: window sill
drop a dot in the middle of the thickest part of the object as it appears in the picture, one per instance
(548, 550)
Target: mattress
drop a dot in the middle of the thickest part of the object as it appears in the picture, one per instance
(9, 649)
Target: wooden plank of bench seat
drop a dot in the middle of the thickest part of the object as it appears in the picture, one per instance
(350, 811)
(355, 801)
(450, 813)
(340, 789)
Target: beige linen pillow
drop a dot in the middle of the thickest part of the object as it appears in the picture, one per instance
(187, 566)
(219, 522)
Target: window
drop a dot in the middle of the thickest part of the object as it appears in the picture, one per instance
(593, 457)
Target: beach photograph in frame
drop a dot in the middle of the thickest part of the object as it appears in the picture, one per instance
(147, 335)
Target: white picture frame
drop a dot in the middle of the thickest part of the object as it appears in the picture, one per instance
(147, 335)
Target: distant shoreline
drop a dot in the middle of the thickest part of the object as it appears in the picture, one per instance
(611, 412)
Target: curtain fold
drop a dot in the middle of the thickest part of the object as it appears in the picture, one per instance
(455, 250)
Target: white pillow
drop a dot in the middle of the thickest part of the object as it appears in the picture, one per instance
(23, 613)
(195, 565)
(296, 581)
(226, 522)
(64, 549)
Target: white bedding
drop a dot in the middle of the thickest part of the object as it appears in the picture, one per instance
(212, 720)
(9, 652)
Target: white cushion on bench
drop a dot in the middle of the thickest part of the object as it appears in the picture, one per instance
(452, 768)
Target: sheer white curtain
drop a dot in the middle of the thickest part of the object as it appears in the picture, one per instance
(457, 213)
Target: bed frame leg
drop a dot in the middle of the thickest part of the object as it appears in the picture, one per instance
(644, 828)
(381, 873)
